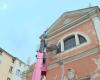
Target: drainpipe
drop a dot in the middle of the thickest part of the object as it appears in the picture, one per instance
(62, 69)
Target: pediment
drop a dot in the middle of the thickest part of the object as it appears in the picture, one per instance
(68, 17)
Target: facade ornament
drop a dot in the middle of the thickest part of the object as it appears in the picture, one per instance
(96, 73)
(71, 74)
(97, 62)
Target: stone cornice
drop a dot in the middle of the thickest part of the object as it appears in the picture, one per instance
(72, 24)
(71, 13)
(74, 57)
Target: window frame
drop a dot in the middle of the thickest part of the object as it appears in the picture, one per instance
(18, 72)
(78, 45)
(72, 37)
(80, 39)
(13, 59)
(11, 69)
(8, 78)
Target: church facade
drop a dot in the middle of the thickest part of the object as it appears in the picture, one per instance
(74, 46)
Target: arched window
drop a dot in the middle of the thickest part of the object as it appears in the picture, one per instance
(81, 39)
(69, 42)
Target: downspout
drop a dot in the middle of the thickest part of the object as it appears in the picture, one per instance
(62, 68)
(61, 63)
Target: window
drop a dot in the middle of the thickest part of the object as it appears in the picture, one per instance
(20, 63)
(59, 48)
(18, 72)
(81, 39)
(8, 78)
(13, 59)
(11, 69)
(69, 43)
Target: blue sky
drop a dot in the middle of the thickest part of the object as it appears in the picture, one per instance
(23, 21)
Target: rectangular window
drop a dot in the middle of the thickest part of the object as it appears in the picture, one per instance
(8, 78)
(69, 43)
(13, 59)
(20, 63)
(59, 48)
(18, 72)
(11, 69)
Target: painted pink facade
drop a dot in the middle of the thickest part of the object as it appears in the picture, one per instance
(78, 34)
(74, 46)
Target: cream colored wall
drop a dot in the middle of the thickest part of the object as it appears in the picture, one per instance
(17, 66)
(4, 66)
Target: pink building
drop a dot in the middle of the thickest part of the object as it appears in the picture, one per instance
(76, 54)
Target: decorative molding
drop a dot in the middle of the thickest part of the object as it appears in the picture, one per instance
(74, 57)
(72, 25)
(53, 66)
(70, 13)
(82, 55)
(66, 28)
(96, 23)
(78, 45)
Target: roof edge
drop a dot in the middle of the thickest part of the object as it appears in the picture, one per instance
(12, 56)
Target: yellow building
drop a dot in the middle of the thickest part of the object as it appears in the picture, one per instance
(11, 68)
